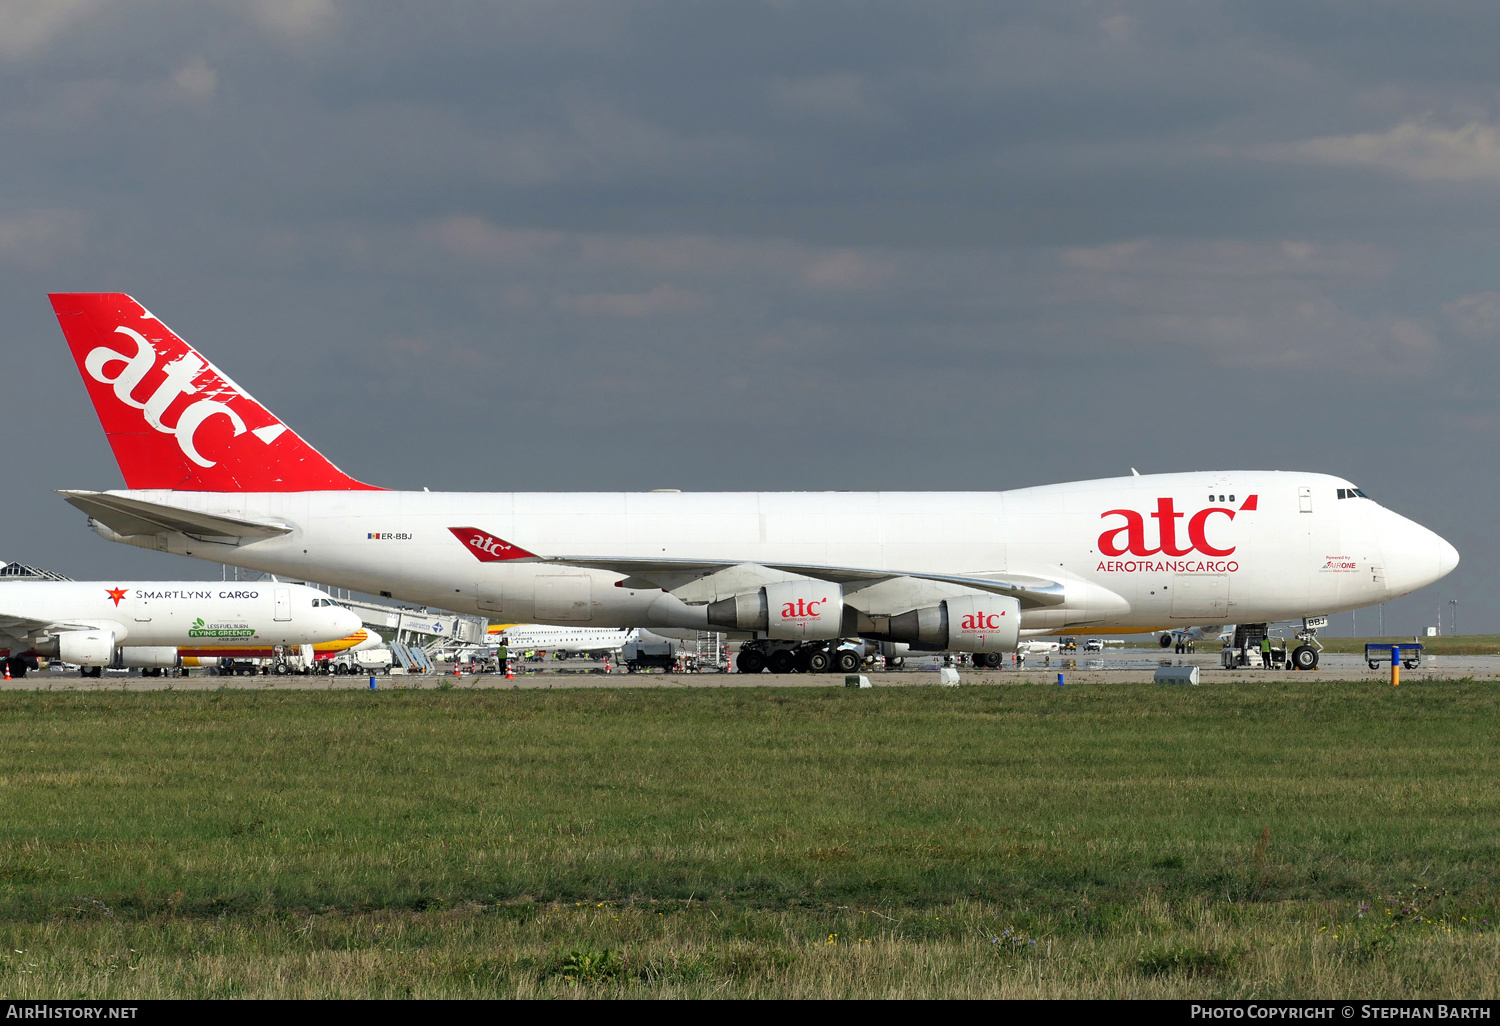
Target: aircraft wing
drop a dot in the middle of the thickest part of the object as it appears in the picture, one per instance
(20, 626)
(1029, 590)
(135, 516)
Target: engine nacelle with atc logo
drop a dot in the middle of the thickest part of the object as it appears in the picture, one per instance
(787, 611)
(804, 610)
(981, 623)
(989, 623)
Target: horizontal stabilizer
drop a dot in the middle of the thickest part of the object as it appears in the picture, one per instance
(137, 517)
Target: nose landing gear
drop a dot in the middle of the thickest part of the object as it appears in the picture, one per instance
(1305, 655)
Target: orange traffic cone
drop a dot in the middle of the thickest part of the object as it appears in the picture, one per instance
(509, 673)
(606, 665)
(7, 669)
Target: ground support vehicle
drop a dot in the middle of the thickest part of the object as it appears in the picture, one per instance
(363, 662)
(1409, 652)
(237, 668)
(1243, 649)
(643, 655)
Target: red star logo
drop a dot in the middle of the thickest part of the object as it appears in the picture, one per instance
(115, 593)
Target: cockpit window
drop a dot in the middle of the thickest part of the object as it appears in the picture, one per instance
(320, 603)
(1352, 493)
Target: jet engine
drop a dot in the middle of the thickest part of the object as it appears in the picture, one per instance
(153, 656)
(787, 611)
(85, 648)
(981, 623)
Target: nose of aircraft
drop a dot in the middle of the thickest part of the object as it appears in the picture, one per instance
(346, 621)
(1447, 557)
(1415, 557)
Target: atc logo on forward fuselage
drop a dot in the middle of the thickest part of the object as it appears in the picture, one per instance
(487, 548)
(1130, 539)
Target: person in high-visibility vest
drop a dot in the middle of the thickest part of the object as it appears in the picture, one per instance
(1265, 652)
(502, 657)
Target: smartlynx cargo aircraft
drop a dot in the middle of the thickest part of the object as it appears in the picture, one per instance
(210, 473)
(156, 623)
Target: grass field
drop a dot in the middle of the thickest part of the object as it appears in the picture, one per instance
(1280, 839)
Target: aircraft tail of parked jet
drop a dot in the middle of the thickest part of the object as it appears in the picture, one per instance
(136, 369)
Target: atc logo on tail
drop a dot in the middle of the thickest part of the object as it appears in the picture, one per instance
(175, 420)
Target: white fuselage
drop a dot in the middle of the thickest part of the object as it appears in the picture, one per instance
(179, 614)
(1242, 546)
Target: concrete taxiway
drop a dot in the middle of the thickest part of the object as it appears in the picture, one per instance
(1119, 667)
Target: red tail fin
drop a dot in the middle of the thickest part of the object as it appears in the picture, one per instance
(175, 420)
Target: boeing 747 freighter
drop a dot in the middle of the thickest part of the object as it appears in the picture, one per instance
(211, 473)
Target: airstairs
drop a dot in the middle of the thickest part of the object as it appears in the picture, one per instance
(419, 636)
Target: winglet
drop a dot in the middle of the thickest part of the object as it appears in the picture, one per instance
(173, 419)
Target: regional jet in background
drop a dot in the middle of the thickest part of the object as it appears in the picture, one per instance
(156, 623)
(573, 640)
(1181, 637)
(211, 473)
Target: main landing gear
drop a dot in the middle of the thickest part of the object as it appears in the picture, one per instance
(812, 657)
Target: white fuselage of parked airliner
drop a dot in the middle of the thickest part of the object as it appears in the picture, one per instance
(1125, 554)
(178, 614)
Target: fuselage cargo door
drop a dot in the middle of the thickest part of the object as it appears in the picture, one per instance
(142, 608)
(565, 597)
(283, 604)
(489, 597)
(1200, 597)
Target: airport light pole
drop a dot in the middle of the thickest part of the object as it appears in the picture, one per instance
(1453, 620)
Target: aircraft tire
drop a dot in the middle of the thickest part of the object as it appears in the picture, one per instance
(750, 662)
(818, 662)
(1305, 657)
(782, 661)
(847, 661)
(895, 662)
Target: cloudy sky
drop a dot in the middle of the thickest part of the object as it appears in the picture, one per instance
(775, 245)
